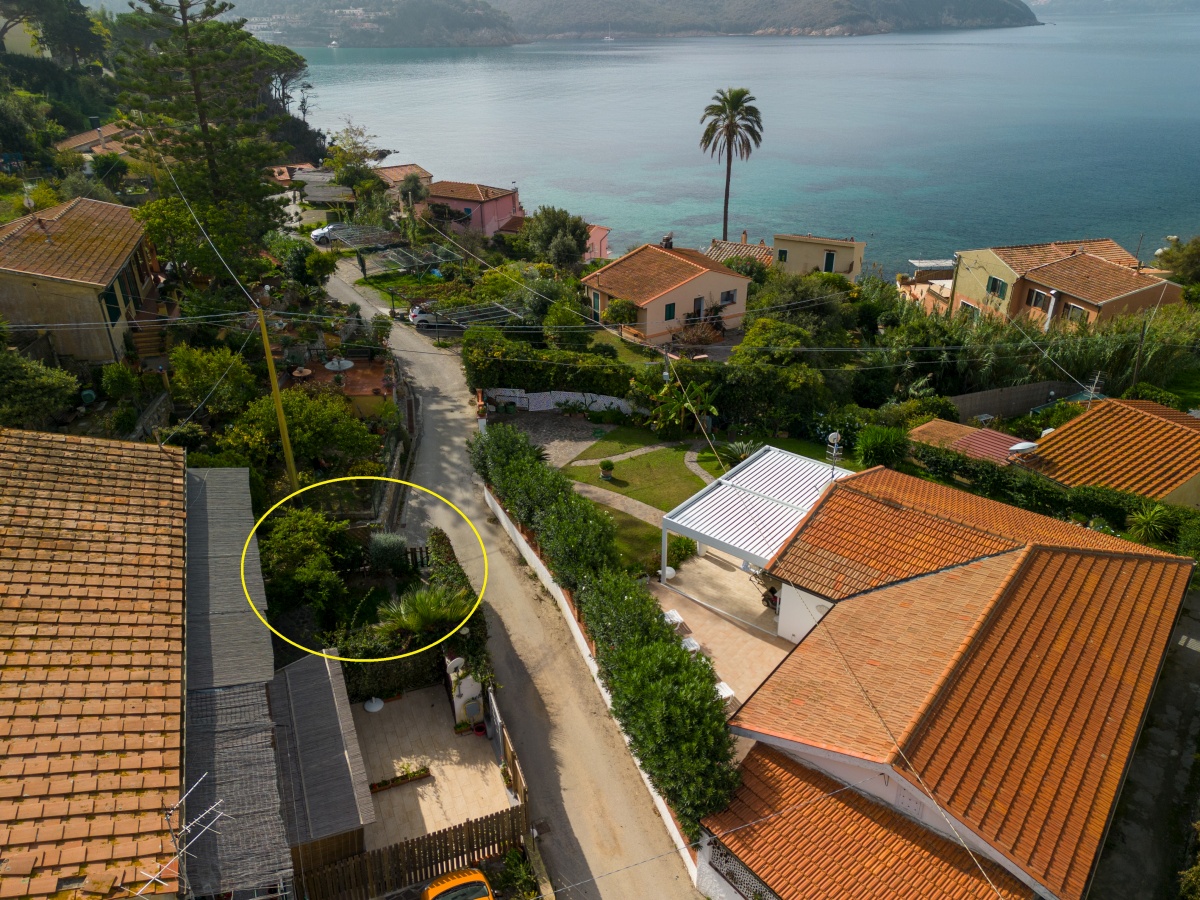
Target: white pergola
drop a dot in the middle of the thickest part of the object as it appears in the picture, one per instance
(751, 510)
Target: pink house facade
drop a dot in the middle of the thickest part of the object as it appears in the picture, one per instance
(597, 247)
(477, 207)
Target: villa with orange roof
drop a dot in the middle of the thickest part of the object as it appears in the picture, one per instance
(1086, 280)
(978, 443)
(477, 207)
(1129, 445)
(958, 717)
(671, 287)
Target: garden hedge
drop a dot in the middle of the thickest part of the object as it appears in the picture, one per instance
(664, 697)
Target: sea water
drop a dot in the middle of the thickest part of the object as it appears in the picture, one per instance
(920, 144)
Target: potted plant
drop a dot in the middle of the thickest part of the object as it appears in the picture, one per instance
(606, 469)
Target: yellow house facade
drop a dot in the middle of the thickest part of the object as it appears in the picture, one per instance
(802, 254)
(83, 269)
(671, 288)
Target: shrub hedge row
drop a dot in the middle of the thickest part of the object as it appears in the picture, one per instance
(446, 571)
(1010, 484)
(491, 360)
(664, 698)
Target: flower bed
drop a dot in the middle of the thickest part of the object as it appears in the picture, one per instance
(402, 778)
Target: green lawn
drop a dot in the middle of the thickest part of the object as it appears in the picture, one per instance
(638, 542)
(621, 439)
(1187, 386)
(625, 353)
(659, 479)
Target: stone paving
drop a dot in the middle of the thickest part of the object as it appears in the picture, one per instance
(691, 459)
(613, 500)
(563, 437)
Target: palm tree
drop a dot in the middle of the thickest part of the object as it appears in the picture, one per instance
(734, 125)
(423, 610)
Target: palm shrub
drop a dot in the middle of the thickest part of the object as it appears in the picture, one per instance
(387, 552)
(1151, 524)
(679, 550)
(735, 452)
(878, 445)
(423, 611)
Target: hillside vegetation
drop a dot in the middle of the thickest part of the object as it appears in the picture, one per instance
(585, 18)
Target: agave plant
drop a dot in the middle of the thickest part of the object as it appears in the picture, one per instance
(737, 451)
(421, 611)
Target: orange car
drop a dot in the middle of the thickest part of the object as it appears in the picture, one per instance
(465, 884)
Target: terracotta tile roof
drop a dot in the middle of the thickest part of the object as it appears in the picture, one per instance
(91, 654)
(852, 541)
(900, 639)
(978, 443)
(845, 846)
(1016, 684)
(459, 190)
(1093, 278)
(1128, 445)
(513, 225)
(1023, 257)
(85, 140)
(723, 251)
(393, 175)
(83, 241)
(651, 270)
(1029, 739)
(940, 432)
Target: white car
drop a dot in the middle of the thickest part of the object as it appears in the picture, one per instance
(326, 233)
(422, 318)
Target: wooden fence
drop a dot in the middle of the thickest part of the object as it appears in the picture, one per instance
(379, 872)
(418, 556)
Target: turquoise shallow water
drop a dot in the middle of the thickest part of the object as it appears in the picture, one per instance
(921, 144)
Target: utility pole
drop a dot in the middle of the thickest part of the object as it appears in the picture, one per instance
(278, 398)
(1137, 365)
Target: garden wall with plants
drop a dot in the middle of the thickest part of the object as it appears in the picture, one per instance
(664, 697)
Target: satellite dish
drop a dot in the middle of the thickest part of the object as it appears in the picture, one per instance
(455, 664)
(1046, 431)
(1023, 447)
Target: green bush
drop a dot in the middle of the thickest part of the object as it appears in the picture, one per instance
(1114, 507)
(880, 446)
(664, 698)
(491, 360)
(679, 550)
(381, 679)
(124, 420)
(387, 552)
(119, 382)
(446, 571)
(1151, 524)
(1144, 391)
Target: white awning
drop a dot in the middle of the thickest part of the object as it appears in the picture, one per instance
(754, 507)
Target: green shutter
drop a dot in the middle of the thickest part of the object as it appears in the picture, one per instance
(670, 313)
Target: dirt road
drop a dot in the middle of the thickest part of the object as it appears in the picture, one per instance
(582, 781)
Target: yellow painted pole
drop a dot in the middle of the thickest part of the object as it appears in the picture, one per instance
(275, 395)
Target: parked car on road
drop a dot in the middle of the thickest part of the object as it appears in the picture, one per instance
(465, 884)
(327, 233)
(423, 318)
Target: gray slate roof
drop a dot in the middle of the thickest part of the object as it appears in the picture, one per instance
(322, 775)
(226, 643)
(229, 733)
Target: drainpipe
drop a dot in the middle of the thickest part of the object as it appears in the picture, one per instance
(954, 281)
(1050, 311)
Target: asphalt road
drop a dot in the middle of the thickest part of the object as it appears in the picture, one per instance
(581, 778)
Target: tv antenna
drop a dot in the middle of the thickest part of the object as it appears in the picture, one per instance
(833, 451)
(181, 836)
(1097, 384)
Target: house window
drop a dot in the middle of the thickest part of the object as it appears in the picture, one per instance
(596, 305)
(997, 287)
(112, 305)
(728, 298)
(1076, 313)
(830, 259)
(971, 308)
(1037, 299)
(782, 255)
(669, 314)
(595, 296)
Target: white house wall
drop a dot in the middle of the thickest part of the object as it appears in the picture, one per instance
(799, 612)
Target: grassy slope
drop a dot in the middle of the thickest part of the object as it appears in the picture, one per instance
(659, 479)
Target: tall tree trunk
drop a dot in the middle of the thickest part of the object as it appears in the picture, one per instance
(210, 153)
(728, 176)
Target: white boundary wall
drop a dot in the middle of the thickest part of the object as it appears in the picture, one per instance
(546, 401)
(555, 590)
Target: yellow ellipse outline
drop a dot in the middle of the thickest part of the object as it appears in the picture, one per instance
(450, 633)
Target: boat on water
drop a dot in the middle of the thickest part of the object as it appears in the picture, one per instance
(333, 43)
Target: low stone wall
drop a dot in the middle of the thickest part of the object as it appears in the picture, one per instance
(156, 415)
(581, 643)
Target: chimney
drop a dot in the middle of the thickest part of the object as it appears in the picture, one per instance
(668, 241)
(744, 236)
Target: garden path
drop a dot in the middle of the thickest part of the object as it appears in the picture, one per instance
(691, 459)
(635, 508)
(628, 454)
(595, 814)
